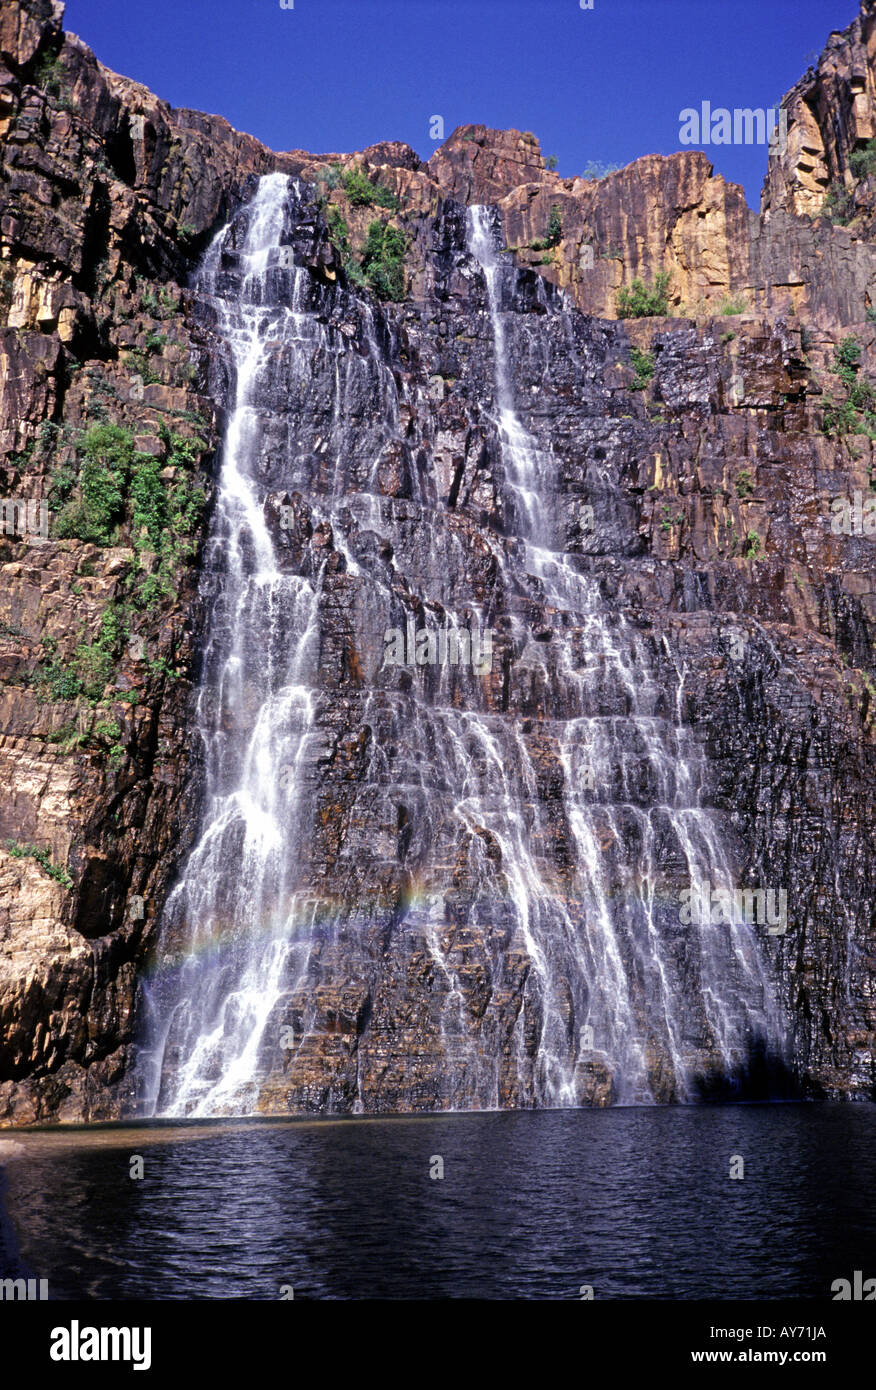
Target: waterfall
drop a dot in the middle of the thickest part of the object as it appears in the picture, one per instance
(501, 920)
(233, 904)
(727, 975)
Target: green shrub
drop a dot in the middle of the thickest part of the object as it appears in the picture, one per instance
(744, 483)
(149, 499)
(162, 304)
(640, 301)
(339, 232)
(839, 205)
(94, 666)
(847, 358)
(150, 590)
(753, 545)
(165, 516)
(68, 738)
(61, 484)
(107, 730)
(844, 416)
(355, 274)
(863, 161)
(161, 667)
(91, 667)
(51, 433)
(58, 682)
(116, 483)
(840, 417)
(383, 261)
(862, 395)
(138, 361)
(95, 661)
(185, 507)
(107, 735)
(363, 193)
(668, 520)
(7, 283)
(50, 74)
(385, 198)
(358, 188)
(644, 365)
(182, 451)
(41, 857)
(108, 452)
(552, 237)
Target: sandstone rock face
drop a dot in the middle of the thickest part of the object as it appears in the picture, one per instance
(830, 114)
(711, 488)
(95, 786)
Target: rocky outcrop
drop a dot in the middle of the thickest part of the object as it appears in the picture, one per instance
(712, 482)
(92, 266)
(830, 114)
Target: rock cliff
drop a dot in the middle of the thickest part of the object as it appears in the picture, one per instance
(709, 442)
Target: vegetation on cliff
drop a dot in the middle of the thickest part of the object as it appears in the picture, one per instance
(854, 412)
(378, 262)
(639, 300)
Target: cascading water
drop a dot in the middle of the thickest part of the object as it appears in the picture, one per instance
(629, 957)
(509, 932)
(254, 714)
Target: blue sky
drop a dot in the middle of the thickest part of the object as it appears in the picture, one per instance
(605, 84)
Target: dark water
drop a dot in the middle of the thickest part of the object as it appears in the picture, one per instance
(637, 1203)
